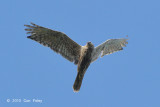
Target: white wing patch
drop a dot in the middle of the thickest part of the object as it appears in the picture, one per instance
(108, 47)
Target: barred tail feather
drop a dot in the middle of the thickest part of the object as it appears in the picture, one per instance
(78, 82)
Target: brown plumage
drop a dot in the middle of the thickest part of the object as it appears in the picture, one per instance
(80, 55)
(57, 41)
(83, 64)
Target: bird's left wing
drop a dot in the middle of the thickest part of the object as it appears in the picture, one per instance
(108, 47)
(57, 41)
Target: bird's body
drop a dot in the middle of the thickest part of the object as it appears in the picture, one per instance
(84, 62)
(82, 56)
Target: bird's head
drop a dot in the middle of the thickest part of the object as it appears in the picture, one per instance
(89, 44)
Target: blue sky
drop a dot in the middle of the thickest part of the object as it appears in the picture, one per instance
(129, 78)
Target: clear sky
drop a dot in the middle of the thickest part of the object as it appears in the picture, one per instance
(129, 78)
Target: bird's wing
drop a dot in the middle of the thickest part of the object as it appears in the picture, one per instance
(57, 41)
(108, 47)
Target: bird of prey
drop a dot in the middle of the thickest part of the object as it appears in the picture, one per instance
(82, 56)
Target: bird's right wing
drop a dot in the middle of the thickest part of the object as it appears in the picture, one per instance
(57, 41)
(108, 47)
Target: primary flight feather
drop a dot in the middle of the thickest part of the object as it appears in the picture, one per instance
(80, 55)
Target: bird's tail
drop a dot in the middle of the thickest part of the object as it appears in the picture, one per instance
(78, 82)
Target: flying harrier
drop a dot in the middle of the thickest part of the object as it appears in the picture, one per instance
(69, 49)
